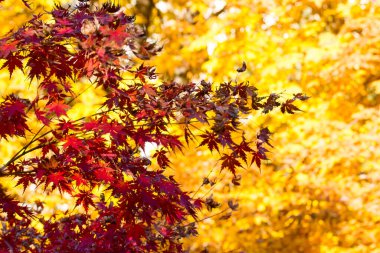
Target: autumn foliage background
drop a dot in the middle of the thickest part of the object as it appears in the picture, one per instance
(320, 191)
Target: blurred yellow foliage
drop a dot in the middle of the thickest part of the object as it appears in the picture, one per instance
(320, 191)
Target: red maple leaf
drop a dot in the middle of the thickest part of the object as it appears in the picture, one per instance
(41, 116)
(117, 35)
(263, 136)
(58, 108)
(230, 162)
(148, 89)
(13, 106)
(105, 174)
(141, 72)
(7, 47)
(171, 141)
(79, 179)
(56, 177)
(289, 107)
(142, 136)
(72, 141)
(91, 125)
(12, 62)
(59, 181)
(210, 139)
(25, 181)
(84, 198)
(257, 157)
(162, 159)
(13, 207)
(13, 117)
(65, 30)
(241, 149)
(37, 64)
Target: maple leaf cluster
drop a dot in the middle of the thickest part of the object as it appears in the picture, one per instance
(148, 207)
(13, 116)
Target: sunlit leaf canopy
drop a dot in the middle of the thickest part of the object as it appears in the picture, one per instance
(320, 191)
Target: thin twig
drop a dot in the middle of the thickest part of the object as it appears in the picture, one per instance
(208, 217)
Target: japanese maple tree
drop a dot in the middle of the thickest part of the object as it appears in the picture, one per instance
(149, 211)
